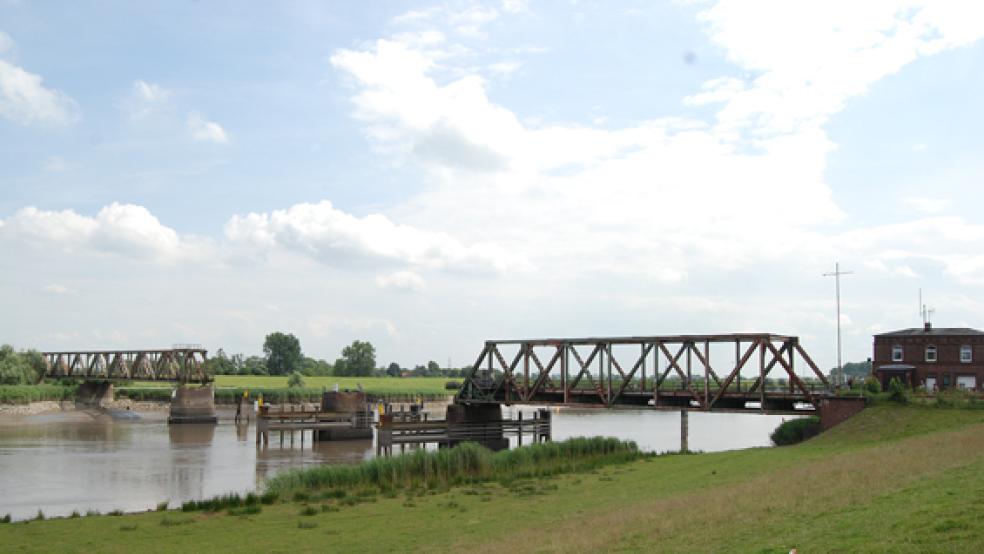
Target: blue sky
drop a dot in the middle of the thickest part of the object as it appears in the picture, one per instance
(429, 175)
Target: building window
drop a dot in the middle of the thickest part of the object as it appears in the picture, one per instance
(931, 353)
(897, 353)
(966, 355)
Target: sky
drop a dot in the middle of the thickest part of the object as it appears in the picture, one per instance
(427, 176)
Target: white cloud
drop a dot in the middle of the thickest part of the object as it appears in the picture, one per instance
(334, 237)
(25, 100)
(55, 288)
(150, 92)
(6, 43)
(206, 131)
(402, 281)
(950, 243)
(504, 68)
(824, 53)
(674, 194)
(925, 204)
(147, 99)
(121, 229)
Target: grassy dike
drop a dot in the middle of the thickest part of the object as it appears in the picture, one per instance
(893, 478)
(229, 388)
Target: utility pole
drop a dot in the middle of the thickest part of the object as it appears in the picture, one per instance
(837, 279)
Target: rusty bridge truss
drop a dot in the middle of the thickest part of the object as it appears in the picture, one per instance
(750, 371)
(182, 364)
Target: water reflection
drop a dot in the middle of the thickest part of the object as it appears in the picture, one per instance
(80, 460)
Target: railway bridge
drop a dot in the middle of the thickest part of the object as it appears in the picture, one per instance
(99, 369)
(181, 363)
(738, 372)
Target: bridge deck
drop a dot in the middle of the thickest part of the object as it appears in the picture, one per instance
(599, 371)
(179, 364)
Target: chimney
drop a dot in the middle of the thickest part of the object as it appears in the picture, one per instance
(927, 326)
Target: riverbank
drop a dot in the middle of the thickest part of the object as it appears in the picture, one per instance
(899, 478)
(54, 397)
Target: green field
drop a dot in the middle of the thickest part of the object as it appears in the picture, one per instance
(892, 479)
(374, 385)
(228, 388)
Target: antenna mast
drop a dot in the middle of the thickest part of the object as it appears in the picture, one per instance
(839, 378)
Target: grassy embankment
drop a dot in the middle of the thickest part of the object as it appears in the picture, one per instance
(893, 478)
(229, 388)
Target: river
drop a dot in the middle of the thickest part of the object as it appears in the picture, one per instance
(95, 460)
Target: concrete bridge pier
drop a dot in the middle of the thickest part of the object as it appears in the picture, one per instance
(193, 405)
(353, 403)
(491, 437)
(94, 394)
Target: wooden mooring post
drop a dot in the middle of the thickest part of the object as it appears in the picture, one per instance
(684, 430)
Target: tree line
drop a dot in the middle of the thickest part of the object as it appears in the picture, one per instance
(282, 355)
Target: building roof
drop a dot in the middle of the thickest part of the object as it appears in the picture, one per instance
(933, 331)
(897, 367)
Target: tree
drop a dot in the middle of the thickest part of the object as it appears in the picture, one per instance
(254, 365)
(359, 359)
(220, 364)
(393, 370)
(313, 367)
(858, 370)
(433, 369)
(19, 368)
(283, 353)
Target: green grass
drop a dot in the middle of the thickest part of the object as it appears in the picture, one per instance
(229, 388)
(892, 479)
(455, 466)
(23, 394)
(374, 385)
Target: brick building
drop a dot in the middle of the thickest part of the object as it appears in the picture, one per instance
(931, 358)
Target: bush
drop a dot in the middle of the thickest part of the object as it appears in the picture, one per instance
(24, 394)
(19, 368)
(795, 430)
(296, 380)
(897, 391)
(872, 385)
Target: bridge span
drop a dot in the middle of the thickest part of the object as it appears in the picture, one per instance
(182, 363)
(669, 372)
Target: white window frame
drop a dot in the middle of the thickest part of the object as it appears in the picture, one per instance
(969, 351)
(898, 353)
(931, 348)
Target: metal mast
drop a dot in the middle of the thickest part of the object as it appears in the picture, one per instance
(839, 378)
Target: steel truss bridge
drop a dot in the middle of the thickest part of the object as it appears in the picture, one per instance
(663, 372)
(181, 363)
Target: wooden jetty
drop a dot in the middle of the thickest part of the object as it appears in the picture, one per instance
(416, 429)
(323, 425)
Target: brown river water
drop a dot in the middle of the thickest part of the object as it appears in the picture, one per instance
(96, 460)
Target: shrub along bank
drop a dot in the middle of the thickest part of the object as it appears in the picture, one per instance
(467, 463)
(292, 395)
(23, 394)
(795, 430)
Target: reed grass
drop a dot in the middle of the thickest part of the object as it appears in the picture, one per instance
(24, 394)
(466, 463)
